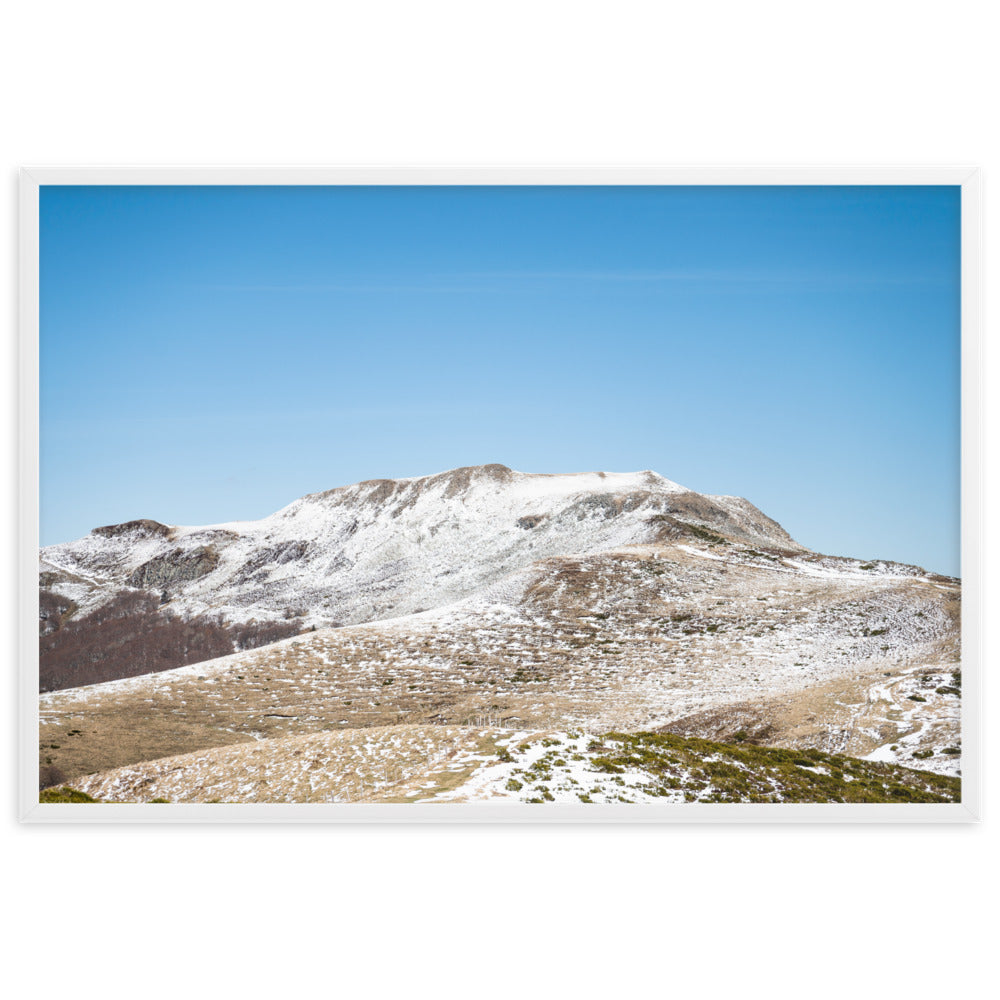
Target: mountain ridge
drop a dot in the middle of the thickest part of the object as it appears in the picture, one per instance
(357, 552)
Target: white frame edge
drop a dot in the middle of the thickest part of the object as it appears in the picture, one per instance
(28, 462)
(967, 811)
(972, 493)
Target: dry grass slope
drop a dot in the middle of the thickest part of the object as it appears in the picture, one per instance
(709, 639)
(438, 764)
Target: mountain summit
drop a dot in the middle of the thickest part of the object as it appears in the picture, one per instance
(390, 547)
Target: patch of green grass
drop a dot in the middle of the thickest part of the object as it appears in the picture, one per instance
(743, 772)
(529, 676)
(705, 535)
(64, 794)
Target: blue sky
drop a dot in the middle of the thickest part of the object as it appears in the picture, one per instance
(210, 354)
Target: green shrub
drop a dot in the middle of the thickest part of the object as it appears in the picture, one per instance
(705, 535)
(745, 772)
(607, 766)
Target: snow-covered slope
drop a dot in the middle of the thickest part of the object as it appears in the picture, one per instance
(385, 548)
(596, 603)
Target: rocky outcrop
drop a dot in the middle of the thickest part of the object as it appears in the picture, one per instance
(174, 567)
(144, 528)
(257, 567)
(530, 521)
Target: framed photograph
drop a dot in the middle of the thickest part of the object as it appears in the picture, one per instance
(500, 495)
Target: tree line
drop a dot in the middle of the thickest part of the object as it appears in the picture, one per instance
(132, 635)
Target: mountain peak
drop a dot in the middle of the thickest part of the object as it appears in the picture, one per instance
(494, 480)
(388, 547)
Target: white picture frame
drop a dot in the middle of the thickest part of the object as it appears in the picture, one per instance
(968, 810)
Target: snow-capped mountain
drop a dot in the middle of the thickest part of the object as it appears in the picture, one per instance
(386, 548)
(179, 662)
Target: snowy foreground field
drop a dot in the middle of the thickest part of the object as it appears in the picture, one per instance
(399, 764)
(619, 640)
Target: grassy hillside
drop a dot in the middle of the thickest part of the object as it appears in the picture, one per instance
(830, 656)
(469, 764)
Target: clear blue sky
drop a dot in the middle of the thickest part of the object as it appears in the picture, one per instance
(210, 354)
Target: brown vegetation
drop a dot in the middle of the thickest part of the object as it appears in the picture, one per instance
(133, 635)
(53, 609)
